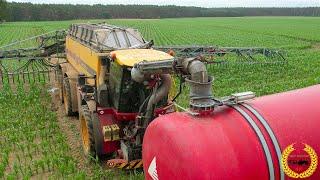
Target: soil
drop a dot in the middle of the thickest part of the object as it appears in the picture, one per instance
(70, 126)
(316, 46)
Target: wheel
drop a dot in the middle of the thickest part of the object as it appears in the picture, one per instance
(97, 133)
(67, 97)
(87, 135)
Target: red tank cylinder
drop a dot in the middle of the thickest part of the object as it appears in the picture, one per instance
(244, 141)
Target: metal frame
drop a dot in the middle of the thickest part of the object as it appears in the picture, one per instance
(34, 63)
(121, 37)
(221, 55)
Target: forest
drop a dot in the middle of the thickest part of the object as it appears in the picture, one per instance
(44, 12)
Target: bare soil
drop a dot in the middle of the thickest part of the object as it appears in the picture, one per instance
(69, 125)
(316, 46)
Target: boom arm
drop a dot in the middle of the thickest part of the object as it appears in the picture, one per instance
(216, 54)
(34, 58)
(45, 46)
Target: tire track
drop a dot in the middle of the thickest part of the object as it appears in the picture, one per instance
(71, 129)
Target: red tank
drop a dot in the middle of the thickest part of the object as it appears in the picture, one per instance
(245, 141)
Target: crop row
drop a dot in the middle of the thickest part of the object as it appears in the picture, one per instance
(31, 141)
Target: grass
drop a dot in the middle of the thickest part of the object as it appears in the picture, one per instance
(32, 145)
(31, 142)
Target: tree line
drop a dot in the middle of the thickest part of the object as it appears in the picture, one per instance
(3, 7)
(44, 12)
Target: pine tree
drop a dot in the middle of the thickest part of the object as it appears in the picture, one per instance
(3, 6)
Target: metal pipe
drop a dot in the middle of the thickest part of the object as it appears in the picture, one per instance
(200, 84)
(196, 69)
(199, 81)
(157, 95)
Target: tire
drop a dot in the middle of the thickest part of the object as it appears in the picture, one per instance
(67, 97)
(86, 131)
(98, 136)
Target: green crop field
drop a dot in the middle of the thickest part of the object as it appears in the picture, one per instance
(32, 144)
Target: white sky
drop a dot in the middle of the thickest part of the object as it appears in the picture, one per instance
(200, 3)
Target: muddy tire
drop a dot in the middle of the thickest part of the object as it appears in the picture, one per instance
(67, 97)
(87, 134)
(98, 136)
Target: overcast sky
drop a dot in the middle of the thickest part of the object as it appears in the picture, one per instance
(201, 3)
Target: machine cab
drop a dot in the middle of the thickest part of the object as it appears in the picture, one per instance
(125, 94)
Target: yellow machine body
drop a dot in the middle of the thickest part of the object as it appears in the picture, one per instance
(87, 61)
(96, 82)
(82, 58)
(129, 57)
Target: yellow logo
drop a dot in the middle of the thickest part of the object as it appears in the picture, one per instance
(301, 165)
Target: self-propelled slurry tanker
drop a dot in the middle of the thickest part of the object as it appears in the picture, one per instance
(120, 84)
